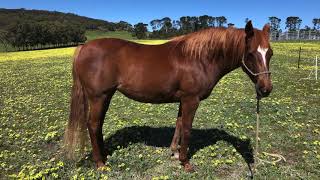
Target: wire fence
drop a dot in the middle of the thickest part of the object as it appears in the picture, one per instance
(303, 59)
(295, 35)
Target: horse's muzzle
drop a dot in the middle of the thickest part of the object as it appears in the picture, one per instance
(263, 91)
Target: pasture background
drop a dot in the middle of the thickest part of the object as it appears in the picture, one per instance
(34, 105)
(95, 34)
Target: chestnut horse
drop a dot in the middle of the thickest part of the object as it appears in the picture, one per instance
(183, 70)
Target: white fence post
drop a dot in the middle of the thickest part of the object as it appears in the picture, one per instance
(316, 67)
(309, 34)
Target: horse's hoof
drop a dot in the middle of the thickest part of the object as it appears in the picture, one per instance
(188, 167)
(100, 165)
(175, 155)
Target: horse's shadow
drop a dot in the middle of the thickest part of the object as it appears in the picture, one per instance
(161, 137)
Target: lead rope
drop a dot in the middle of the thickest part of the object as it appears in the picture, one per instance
(259, 161)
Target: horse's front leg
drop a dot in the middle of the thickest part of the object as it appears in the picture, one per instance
(176, 137)
(189, 106)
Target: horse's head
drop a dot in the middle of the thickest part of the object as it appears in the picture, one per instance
(257, 57)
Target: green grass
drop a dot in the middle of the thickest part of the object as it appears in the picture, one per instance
(110, 34)
(121, 35)
(34, 103)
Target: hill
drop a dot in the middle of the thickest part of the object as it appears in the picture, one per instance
(22, 29)
(9, 17)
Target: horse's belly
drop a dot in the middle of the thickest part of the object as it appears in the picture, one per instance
(148, 95)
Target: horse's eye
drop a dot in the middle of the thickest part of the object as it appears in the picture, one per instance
(271, 52)
(253, 57)
(250, 54)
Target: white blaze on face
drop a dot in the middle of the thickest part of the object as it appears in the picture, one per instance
(263, 52)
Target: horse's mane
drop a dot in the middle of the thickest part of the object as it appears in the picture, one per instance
(212, 42)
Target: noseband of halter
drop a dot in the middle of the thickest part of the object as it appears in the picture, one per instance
(252, 73)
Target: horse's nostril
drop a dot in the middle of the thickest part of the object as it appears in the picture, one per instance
(264, 90)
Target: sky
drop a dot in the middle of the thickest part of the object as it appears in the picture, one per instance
(134, 11)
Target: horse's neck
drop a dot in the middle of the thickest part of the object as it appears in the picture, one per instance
(224, 65)
(231, 58)
(230, 66)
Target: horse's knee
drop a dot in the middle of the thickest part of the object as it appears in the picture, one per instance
(93, 127)
(186, 133)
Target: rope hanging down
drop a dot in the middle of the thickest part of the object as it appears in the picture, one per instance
(259, 161)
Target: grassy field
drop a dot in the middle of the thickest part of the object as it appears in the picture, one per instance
(91, 35)
(34, 102)
(114, 34)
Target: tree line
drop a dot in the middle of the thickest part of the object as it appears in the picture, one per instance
(37, 35)
(293, 23)
(167, 28)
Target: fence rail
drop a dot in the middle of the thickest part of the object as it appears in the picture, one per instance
(295, 35)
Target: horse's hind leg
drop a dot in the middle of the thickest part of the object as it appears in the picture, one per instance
(98, 108)
(176, 137)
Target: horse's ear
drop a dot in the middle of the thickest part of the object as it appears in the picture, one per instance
(249, 29)
(266, 28)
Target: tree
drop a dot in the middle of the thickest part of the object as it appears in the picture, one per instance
(185, 24)
(306, 28)
(230, 25)
(123, 26)
(155, 24)
(176, 24)
(221, 20)
(316, 23)
(166, 24)
(293, 23)
(194, 22)
(211, 21)
(20, 32)
(274, 24)
(4, 40)
(77, 34)
(140, 30)
(203, 21)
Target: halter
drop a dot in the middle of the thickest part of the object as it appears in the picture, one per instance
(252, 73)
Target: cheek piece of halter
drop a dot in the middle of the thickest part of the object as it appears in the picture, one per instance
(252, 73)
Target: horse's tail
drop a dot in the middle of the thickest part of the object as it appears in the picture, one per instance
(76, 134)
